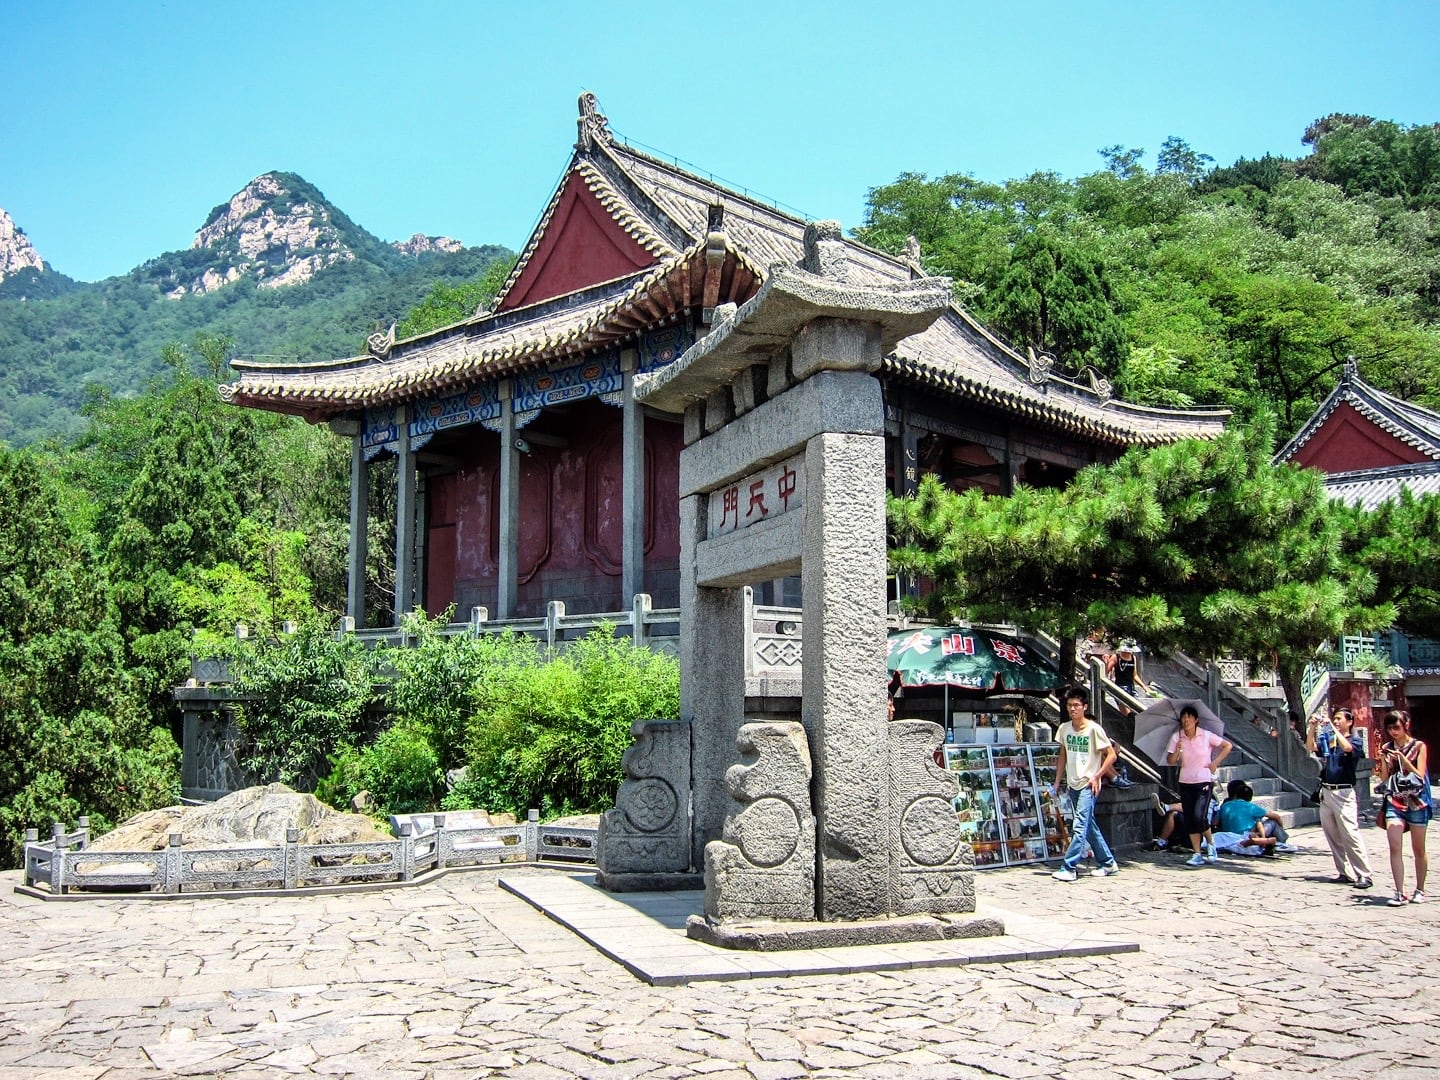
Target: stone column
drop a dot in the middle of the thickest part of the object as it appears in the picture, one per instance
(632, 559)
(712, 680)
(843, 708)
(404, 517)
(508, 572)
(359, 529)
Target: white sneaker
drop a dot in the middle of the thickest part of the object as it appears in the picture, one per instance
(1397, 899)
(1417, 897)
(1196, 860)
(1065, 875)
(1105, 871)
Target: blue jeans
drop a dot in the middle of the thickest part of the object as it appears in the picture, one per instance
(1084, 831)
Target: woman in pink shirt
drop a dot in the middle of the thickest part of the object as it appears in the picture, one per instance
(1198, 753)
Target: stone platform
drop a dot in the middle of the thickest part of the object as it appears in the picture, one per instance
(646, 934)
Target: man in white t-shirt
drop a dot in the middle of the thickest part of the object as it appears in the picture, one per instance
(1085, 754)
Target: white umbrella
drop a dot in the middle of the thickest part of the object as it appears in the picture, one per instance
(1155, 726)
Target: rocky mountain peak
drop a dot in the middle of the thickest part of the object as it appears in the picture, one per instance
(420, 244)
(16, 251)
(276, 229)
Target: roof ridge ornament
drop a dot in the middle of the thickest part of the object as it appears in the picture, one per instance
(1041, 365)
(825, 251)
(381, 342)
(1102, 386)
(594, 127)
(912, 256)
(1352, 369)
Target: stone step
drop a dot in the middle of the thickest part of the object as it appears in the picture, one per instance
(1284, 800)
(1247, 771)
(1301, 815)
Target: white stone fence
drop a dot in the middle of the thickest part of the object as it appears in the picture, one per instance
(64, 865)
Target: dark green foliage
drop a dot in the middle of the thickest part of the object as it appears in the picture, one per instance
(1056, 298)
(531, 731)
(441, 682)
(448, 304)
(1245, 286)
(400, 771)
(1204, 546)
(1399, 542)
(74, 735)
(1364, 156)
(301, 698)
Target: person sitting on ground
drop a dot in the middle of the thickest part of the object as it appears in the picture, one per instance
(1170, 816)
(1239, 813)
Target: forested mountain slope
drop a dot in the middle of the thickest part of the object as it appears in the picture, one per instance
(276, 270)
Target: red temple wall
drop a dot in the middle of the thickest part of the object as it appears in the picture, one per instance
(582, 246)
(1348, 441)
(571, 509)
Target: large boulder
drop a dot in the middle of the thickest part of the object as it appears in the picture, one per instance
(253, 816)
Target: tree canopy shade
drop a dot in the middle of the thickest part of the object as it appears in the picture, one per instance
(1203, 546)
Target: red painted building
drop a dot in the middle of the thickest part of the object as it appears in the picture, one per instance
(1372, 445)
(528, 472)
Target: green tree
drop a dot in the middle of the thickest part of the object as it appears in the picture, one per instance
(1057, 298)
(1399, 542)
(1176, 156)
(552, 736)
(301, 698)
(74, 735)
(448, 304)
(1204, 546)
(180, 514)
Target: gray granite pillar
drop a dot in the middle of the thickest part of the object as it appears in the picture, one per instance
(404, 517)
(712, 680)
(508, 572)
(359, 529)
(843, 706)
(778, 477)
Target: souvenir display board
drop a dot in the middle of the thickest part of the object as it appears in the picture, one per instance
(1006, 810)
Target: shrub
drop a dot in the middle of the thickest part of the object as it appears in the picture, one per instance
(552, 736)
(441, 681)
(302, 697)
(401, 770)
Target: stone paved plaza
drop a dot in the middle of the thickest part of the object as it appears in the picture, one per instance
(1251, 967)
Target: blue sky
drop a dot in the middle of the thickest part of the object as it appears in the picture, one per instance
(125, 121)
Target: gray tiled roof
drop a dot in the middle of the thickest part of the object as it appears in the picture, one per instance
(959, 355)
(667, 211)
(1368, 488)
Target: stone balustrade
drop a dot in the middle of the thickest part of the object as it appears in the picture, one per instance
(63, 865)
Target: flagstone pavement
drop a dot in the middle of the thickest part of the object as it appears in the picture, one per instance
(1248, 967)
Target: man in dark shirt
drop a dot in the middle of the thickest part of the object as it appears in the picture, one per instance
(1330, 740)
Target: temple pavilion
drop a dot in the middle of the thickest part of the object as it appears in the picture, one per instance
(528, 472)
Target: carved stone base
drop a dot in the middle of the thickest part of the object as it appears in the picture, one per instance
(764, 867)
(778, 936)
(931, 868)
(648, 831)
